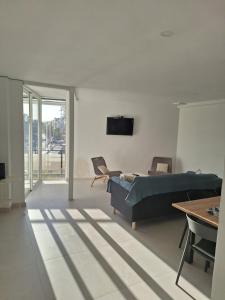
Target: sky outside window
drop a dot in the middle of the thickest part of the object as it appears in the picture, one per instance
(49, 112)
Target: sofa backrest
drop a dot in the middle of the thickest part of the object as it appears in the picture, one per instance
(154, 185)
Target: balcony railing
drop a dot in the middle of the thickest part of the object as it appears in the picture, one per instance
(53, 163)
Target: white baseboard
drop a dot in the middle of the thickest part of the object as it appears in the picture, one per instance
(83, 178)
(5, 206)
(18, 204)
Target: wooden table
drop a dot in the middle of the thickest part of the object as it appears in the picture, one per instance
(198, 209)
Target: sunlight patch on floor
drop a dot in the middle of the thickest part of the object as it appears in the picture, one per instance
(85, 262)
(92, 234)
(46, 243)
(57, 214)
(35, 215)
(75, 214)
(54, 182)
(62, 280)
(48, 214)
(97, 214)
(104, 268)
(153, 265)
(118, 265)
(60, 276)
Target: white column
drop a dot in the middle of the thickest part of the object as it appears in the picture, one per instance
(218, 286)
(40, 137)
(11, 137)
(71, 145)
(31, 140)
(67, 139)
(4, 140)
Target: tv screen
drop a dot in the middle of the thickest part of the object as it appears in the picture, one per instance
(2, 171)
(120, 126)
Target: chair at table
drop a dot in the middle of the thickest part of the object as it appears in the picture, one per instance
(101, 170)
(206, 246)
(195, 195)
(161, 165)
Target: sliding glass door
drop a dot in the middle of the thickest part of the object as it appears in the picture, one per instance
(44, 139)
(31, 116)
(26, 126)
(35, 141)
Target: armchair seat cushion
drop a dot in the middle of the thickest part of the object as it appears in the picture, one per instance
(103, 169)
(114, 173)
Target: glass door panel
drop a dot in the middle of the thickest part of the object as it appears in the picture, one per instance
(35, 141)
(31, 105)
(53, 139)
(44, 139)
(26, 126)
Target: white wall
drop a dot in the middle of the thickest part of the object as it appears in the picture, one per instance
(155, 130)
(16, 138)
(11, 136)
(3, 120)
(218, 286)
(201, 137)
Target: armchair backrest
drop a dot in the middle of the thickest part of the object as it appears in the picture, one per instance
(98, 161)
(161, 160)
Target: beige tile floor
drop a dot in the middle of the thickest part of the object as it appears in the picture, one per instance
(63, 250)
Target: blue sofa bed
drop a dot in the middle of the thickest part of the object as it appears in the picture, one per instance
(152, 196)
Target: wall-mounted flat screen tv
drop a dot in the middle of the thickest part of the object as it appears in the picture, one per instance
(2, 171)
(119, 126)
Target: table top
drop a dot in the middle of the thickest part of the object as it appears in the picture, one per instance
(198, 209)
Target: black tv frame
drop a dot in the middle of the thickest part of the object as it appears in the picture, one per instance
(129, 133)
(2, 171)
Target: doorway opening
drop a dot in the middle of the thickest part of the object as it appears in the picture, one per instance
(53, 139)
(45, 129)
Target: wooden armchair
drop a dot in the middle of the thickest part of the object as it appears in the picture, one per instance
(101, 170)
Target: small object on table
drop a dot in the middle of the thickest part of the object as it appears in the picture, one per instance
(214, 211)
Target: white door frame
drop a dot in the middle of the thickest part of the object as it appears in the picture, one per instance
(40, 138)
(72, 93)
(32, 94)
(30, 140)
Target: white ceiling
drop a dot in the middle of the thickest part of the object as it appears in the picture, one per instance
(117, 45)
(51, 93)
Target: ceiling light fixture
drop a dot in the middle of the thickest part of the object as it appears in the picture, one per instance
(167, 33)
(179, 103)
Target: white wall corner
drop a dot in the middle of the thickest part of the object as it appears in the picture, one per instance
(201, 103)
(218, 286)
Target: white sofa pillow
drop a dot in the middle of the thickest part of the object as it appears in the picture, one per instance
(162, 167)
(127, 177)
